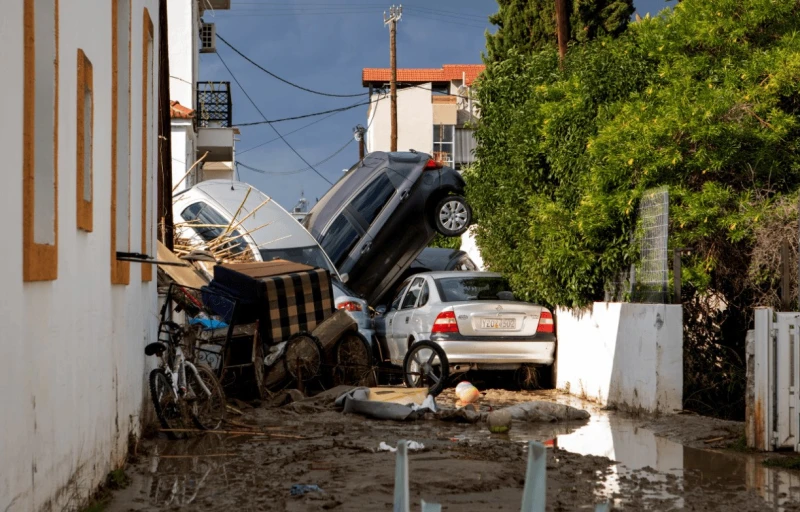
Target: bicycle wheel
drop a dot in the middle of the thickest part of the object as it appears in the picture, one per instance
(353, 361)
(426, 365)
(207, 412)
(303, 357)
(168, 408)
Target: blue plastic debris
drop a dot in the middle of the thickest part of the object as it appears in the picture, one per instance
(301, 489)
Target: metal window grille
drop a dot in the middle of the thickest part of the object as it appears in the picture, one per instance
(208, 38)
(652, 272)
(214, 104)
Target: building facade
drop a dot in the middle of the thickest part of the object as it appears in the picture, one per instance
(201, 111)
(434, 110)
(80, 145)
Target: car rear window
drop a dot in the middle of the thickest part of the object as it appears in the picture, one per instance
(458, 289)
(210, 224)
(340, 240)
(370, 201)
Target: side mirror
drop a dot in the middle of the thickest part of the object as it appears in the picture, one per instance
(380, 310)
(345, 277)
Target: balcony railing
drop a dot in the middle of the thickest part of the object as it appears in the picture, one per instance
(214, 107)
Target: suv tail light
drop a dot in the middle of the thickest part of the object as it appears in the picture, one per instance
(445, 322)
(546, 323)
(349, 306)
(432, 164)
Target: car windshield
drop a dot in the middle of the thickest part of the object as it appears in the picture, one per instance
(311, 255)
(457, 289)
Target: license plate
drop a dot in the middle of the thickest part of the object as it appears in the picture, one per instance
(498, 323)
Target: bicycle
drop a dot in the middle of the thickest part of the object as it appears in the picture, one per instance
(180, 389)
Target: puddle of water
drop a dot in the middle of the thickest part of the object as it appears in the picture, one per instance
(671, 469)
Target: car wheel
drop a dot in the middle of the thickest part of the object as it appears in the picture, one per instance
(452, 216)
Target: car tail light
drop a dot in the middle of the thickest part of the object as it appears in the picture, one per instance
(445, 322)
(349, 306)
(432, 164)
(546, 323)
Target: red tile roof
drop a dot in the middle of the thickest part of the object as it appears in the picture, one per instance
(447, 73)
(178, 111)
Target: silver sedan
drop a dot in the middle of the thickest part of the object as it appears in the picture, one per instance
(472, 316)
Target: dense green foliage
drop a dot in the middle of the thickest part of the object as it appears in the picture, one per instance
(703, 99)
(530, 25)
(444, 242)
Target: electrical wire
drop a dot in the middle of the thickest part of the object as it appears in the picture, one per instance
(449, 14)
(296, 171)
(273, 75)
(270, 124)
(422, 17)
(304, 116)
(288, 133)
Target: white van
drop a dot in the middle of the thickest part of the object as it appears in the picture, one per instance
(268, 231)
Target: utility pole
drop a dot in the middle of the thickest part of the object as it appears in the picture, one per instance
(562, 19)
(395, 13)
(358, 133)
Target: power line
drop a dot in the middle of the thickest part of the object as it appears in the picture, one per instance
(304, 116)
(273, 75)
(304, 126)
(267, 14)
(449, 14)
(289, 133)
(439, 20)
(270, 124)
(296, 171)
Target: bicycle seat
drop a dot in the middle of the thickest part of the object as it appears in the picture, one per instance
(155, 348)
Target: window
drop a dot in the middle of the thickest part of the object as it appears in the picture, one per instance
(440, 89)
(370, 201)
(396, 301)
(424, 296)
(147, 142)
(458, 289)
(340, 240)
(40, 142)
(413, 293)
(311, 255)
(211, 225)
(443, 136)
(85, 125)
(120, 138)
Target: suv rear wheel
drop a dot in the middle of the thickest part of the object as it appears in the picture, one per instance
(452, 216)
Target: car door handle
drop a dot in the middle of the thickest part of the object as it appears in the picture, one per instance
(404, 195)
(406, 319)
(367, 246)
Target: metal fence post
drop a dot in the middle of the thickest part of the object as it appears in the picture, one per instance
(534, 495)
(402, 495)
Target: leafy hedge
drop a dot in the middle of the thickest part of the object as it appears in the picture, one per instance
(703, 98)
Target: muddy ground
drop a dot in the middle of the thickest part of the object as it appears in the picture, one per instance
(463, 467)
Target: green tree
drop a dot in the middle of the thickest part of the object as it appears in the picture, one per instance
(529, 25)
(704, 99)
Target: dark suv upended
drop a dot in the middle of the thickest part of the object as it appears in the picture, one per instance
(380, 215)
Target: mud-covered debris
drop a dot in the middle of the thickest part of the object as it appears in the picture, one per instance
(540, 411)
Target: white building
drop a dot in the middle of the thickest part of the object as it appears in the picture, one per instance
(201, 111)
(80, 146)
(434, 107)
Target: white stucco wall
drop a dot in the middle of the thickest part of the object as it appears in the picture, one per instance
(183, 19)
(414, 121)
(629, 355)
(183, 153)
(72, 380)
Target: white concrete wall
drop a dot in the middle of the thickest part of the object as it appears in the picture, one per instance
(414, 121)
(72, 379)
(183, 153)
(183, 19)
(628, 355)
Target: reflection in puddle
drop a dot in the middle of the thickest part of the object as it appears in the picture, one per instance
(670, 470)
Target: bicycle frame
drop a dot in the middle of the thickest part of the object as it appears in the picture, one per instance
(179, 370)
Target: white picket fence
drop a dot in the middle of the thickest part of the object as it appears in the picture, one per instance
(775, 413)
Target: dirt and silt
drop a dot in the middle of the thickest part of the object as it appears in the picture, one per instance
(673, 463)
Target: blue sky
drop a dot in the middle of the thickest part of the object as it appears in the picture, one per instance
(323, 45)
